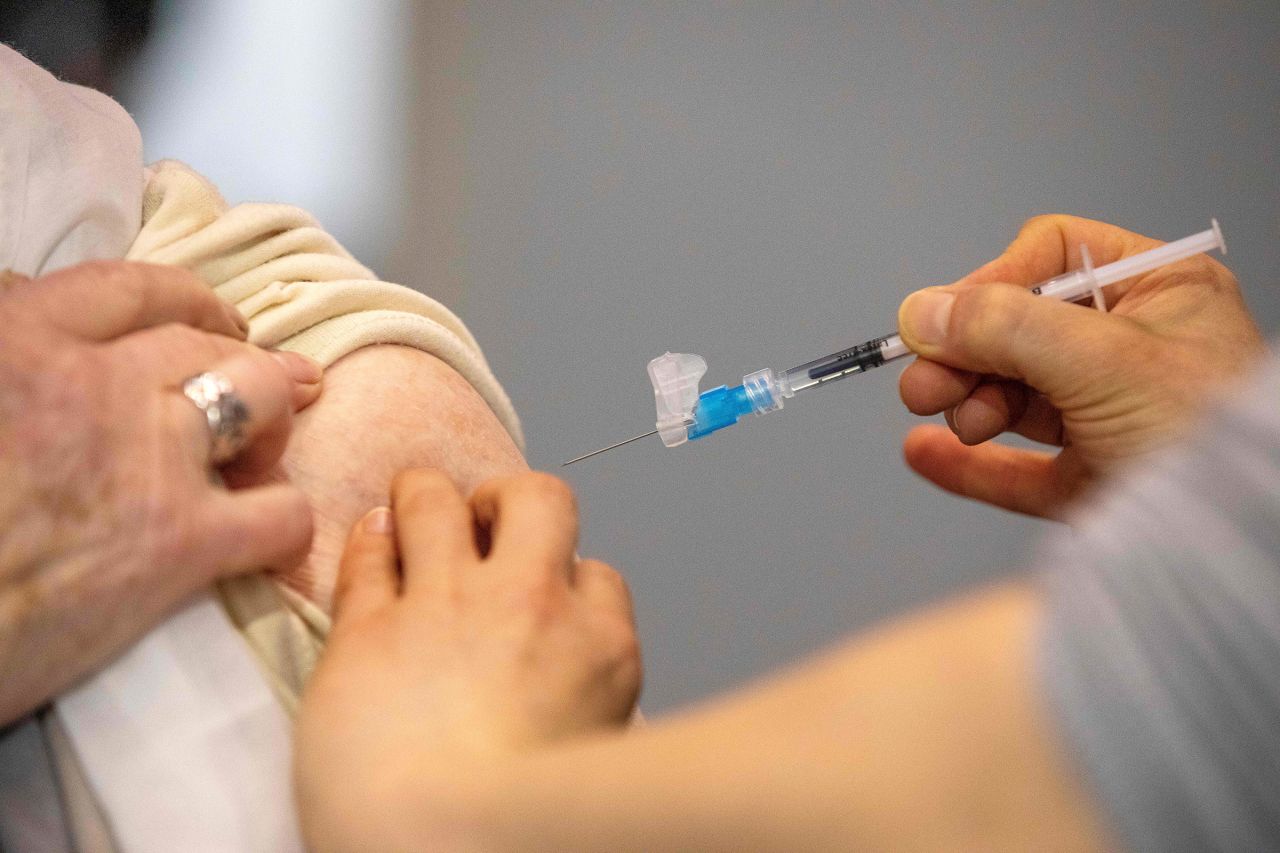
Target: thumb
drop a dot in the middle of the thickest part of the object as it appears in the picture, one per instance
(1008, 331)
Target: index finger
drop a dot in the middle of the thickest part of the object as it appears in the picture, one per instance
(102, 300)
(531, 519)
(434, 526)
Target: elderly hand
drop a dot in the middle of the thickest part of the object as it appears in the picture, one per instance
(1104, 387)
(462, 630)
(110, 514)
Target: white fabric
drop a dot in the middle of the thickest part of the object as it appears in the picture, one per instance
(181, 738)
(184, 743)
(70, 171)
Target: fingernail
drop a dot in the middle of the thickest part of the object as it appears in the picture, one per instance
(299, 367)
(378, 521)
(304, 395)
(236, 317)
(927, 314)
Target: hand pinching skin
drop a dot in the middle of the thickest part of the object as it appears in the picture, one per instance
(463, 628)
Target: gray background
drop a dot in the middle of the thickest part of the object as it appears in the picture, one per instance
(590, 184)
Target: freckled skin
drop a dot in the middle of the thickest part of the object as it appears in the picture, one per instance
(384, 409)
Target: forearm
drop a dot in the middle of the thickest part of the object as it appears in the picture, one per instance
(924, 735)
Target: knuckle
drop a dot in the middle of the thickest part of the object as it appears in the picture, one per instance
(1212, 273)
(410, 478)
(544, 576)
(173, 336)
(1045, 221)
(266, 369)
(609, 575)
(186, 296)
(114, 273)
(1221, 273)
(546, 487)
(623, 644)
(1052, 227)
(127, 288)
(167, 344)
(628, 647)
(419, 488)
(601, 568)
(487, 488)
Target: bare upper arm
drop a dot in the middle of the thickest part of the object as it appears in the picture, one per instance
(385, 408)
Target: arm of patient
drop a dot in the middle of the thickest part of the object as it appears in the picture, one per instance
(385, 408)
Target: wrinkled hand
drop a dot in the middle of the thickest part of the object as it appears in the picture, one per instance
(462, 630)
(1104, 387)
(109, 514)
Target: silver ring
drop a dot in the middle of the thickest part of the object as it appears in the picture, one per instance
(224, 412)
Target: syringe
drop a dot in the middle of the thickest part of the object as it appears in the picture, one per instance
(685, 415)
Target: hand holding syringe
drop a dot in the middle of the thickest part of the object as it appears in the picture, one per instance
(684, 414)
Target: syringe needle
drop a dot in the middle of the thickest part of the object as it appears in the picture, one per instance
(610, 447)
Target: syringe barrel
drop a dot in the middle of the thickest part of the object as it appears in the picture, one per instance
(1073, 286)
(838, 365)
(1077, 284)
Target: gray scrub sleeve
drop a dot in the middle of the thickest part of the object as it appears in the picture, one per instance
(1160, 648)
